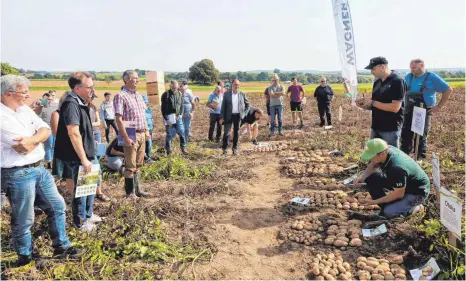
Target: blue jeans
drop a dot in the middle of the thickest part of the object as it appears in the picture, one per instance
(49, 144)
(26, 188)
(392, 138)
(148, 145)
(276, 110)
(187, 126)
(172, 130)
(82, 207)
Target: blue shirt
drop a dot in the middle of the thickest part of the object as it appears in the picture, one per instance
(188, 98)
(216, 99)
(434, 84)
(148, 113)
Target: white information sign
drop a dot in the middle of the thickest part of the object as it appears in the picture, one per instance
(428, 271)
(379, 230)
(419, 120)
(436, 171)
(450, 211)
(340, 113)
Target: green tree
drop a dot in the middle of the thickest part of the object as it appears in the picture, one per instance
(263, 76)
(276, 70)
(8, 69)
(204, 71)
(37, 76)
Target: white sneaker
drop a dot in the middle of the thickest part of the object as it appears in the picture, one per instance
(87, 227)
(94, 218)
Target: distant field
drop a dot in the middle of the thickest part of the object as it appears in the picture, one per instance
(39, 87)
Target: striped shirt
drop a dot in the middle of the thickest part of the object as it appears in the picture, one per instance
(131, 107)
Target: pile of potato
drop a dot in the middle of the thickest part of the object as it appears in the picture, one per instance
(306, 231)
(379, 269)
(330, 267)
(321, 183)
(335, 199)
(310, 169)
(343, 233)
(270, 148)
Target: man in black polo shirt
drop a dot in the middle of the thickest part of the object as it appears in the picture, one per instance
(386, 102)
(409, 184)
(75, 146)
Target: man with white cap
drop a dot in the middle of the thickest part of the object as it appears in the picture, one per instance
(390, 168)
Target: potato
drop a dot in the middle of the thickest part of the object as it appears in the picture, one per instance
(400, 277)
(398, 271)
(372, 263)
(383, 267)
(340, 243)
(361, 264)
(329, 241)
(341, 269)
(343, 277)
(377, 277)
(315, 271)
(373, 259)
(365, 276)
(333, 272)
(341, 234)
(347, 266)
(354, 235)
(339, 206)
(320, 278)
(346, 207)
(361, 259)
(393, 266)
(397, 259)
(331, 256)
(355, 242)
(389, 276)
(383, 261)
(368, 269)
(328, 276)
(355, 222)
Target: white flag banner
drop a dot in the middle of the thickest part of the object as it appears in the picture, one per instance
(346, 47)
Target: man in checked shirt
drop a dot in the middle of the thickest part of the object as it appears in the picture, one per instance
(129, 106)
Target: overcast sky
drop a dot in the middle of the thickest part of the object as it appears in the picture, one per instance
(114, 35)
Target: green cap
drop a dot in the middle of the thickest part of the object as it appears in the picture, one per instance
(373, 147)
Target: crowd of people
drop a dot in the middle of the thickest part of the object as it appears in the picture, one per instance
(64, 135)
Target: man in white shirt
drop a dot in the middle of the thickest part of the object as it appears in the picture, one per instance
(24, 180)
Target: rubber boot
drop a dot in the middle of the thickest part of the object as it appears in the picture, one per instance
(129, 186)
(139, 192)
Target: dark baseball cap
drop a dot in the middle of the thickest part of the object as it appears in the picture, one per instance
(376, 61)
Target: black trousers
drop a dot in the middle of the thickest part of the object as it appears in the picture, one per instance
(107, 129)
(324, 109)
(215, 121)
(407, 136)
(235, 122)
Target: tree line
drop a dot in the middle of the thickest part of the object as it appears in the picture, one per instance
(205, 72)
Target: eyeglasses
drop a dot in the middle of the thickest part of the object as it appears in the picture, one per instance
(417, 61)
(322, 80)
(89, 88)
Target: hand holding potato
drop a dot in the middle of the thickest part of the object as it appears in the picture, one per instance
(367, 202)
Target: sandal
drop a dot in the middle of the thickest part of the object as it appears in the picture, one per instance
(102, 197)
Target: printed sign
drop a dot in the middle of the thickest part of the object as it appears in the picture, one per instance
(379, 230)
(300, 201)
(450, 211)
(87, 183)
(350, 179)
(436, 171)
(428, 271)
(419, 120)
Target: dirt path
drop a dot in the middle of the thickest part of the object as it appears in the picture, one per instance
(246, 237)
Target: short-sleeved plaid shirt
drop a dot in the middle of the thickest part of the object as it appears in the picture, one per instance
(131, 107)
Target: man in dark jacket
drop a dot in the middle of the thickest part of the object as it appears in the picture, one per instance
(235, 106)
(172, 112)
(324, 96)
